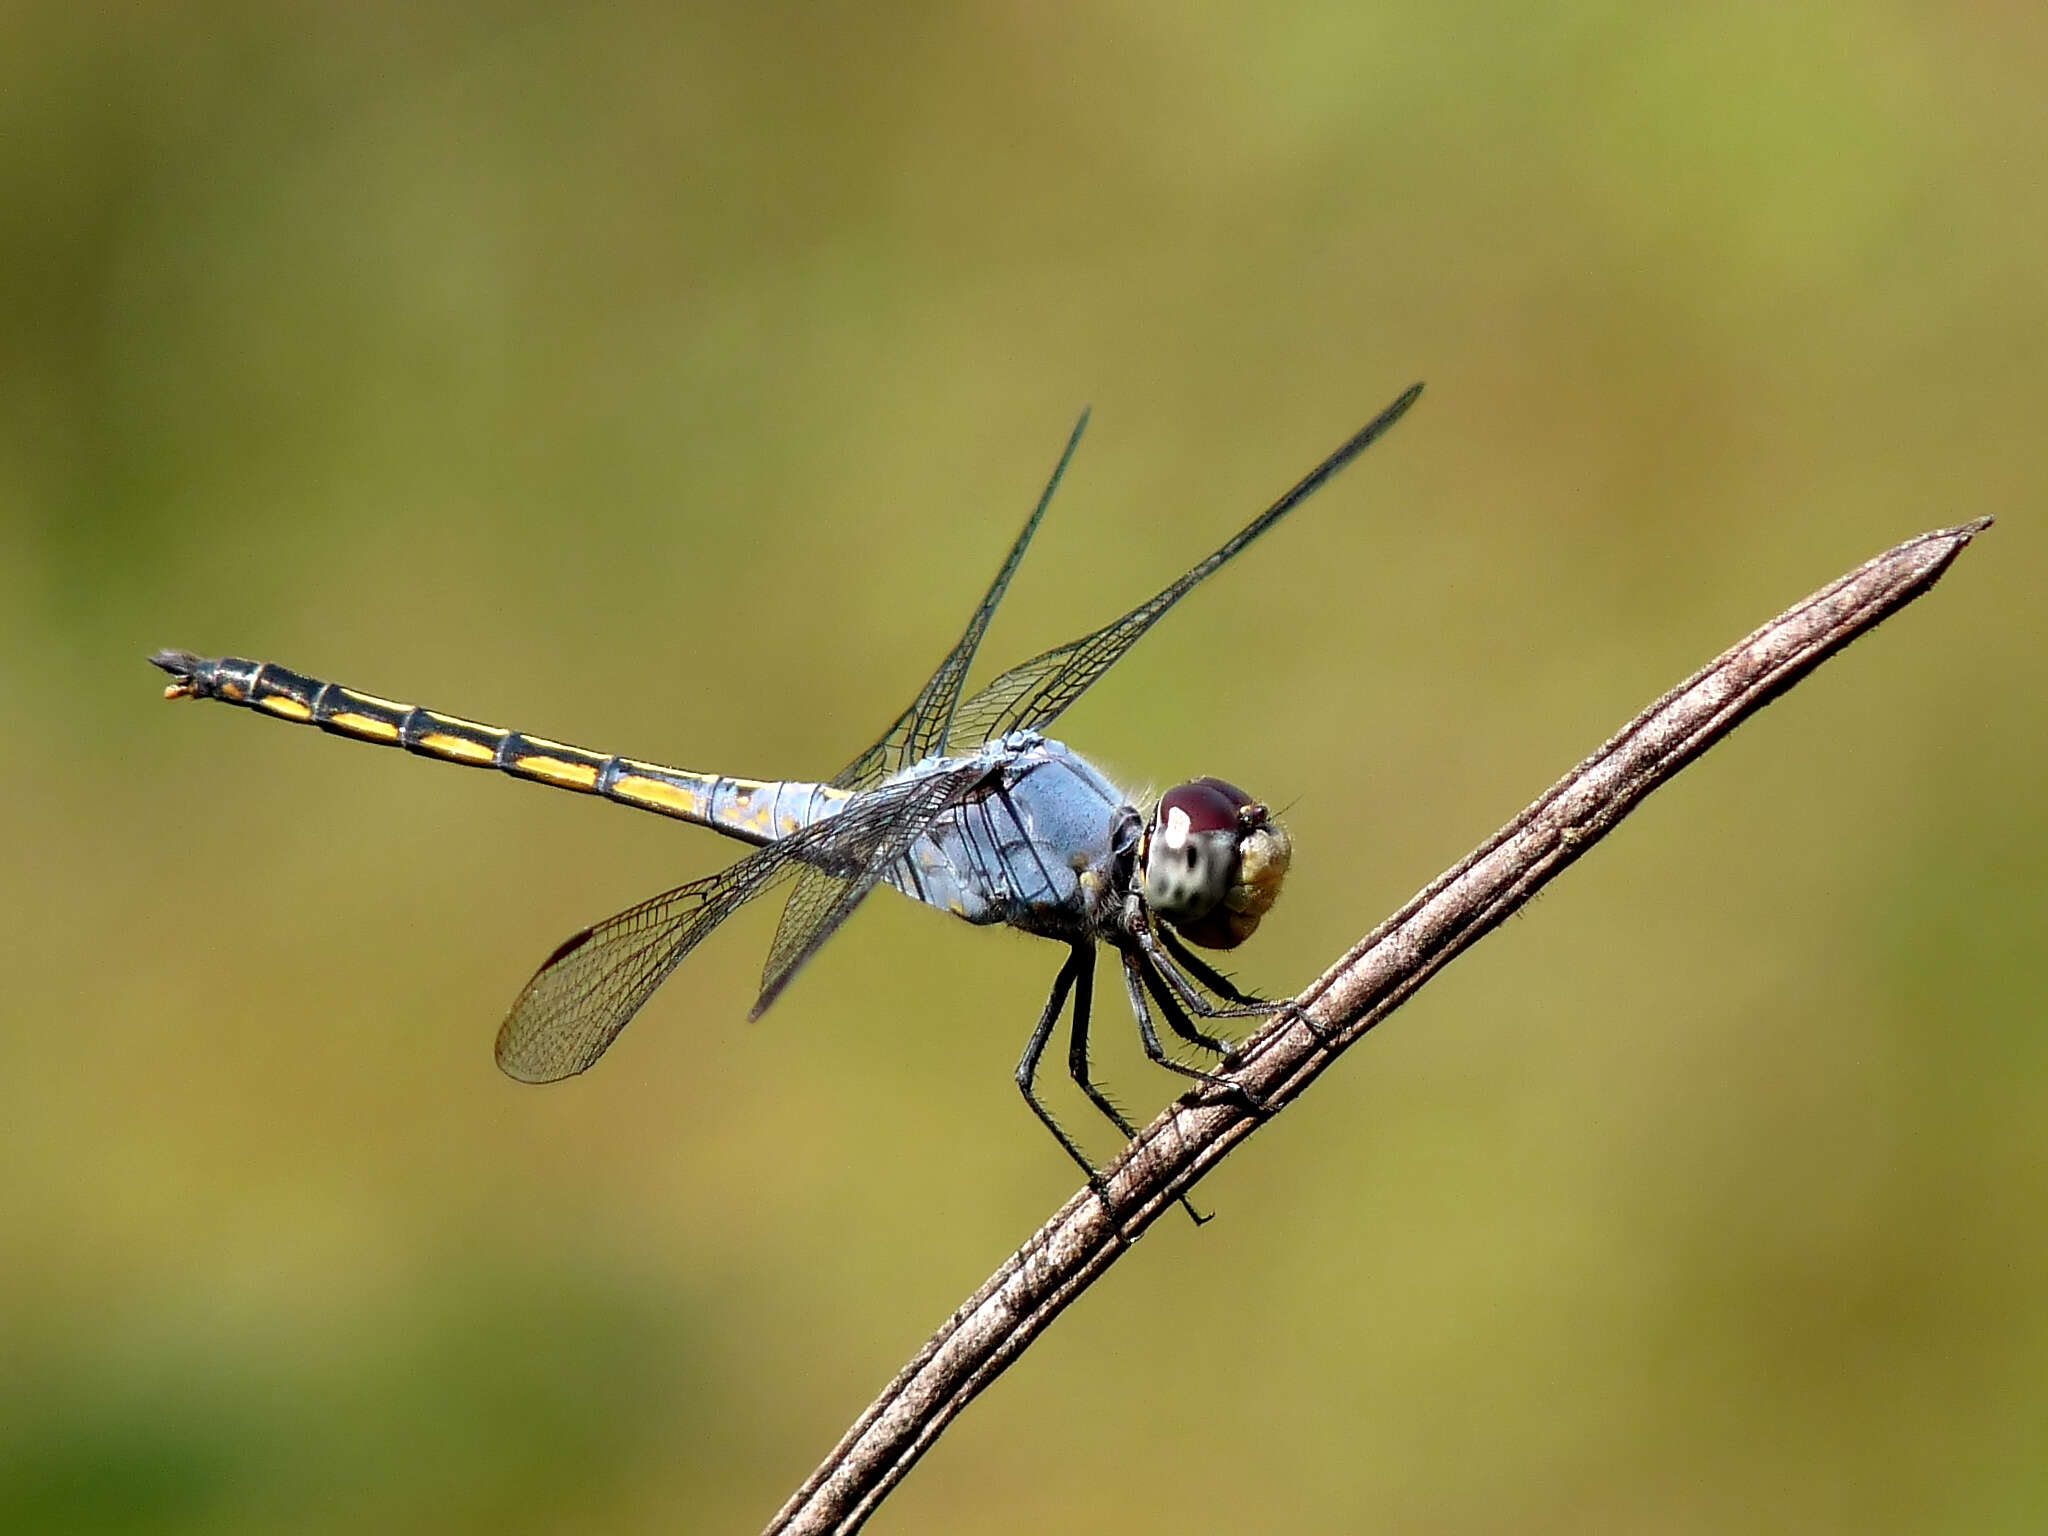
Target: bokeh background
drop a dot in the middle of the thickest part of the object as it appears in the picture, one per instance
(669, 380)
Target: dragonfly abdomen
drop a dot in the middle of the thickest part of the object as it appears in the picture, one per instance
(750, 810)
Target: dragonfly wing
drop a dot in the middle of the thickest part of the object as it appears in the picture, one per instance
(867, 838)
(590, 988)
(1032, 695)
(921, 730)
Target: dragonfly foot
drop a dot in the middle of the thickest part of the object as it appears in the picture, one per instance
(1291, 1012)
(1100, 1186)
(1231, 1087)
(1256, 1102)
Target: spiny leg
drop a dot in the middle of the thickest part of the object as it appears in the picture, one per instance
(1077, 1059)
(1207, 974)
(1173, 960)
(1221, 985)
(1177, 1019)
(1192, 998)
(1034, 1048)
(1077, 1047)
(1140, 977)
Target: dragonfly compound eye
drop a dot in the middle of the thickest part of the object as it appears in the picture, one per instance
(1214, 861)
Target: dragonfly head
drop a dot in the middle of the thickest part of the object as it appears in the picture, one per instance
(1214, 859)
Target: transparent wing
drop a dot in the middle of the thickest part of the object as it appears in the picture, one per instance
(828, 889)
(590, 988)
(921, 730)
(1033, 694)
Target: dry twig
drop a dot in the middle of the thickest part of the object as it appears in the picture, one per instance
(1090, 1232)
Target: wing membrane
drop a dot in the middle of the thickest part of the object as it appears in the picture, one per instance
(1033, 694)
(827, 891)
(590, 988)
(922, 729)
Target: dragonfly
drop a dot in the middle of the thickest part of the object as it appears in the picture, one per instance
(963, 803)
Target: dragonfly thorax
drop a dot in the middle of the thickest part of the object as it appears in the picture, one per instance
(1213, 859)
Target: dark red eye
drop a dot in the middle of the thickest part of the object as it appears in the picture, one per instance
(1210, 805)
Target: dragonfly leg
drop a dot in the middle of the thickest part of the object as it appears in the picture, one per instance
(1178, 961)
(1077, 1049)
(1191, 996)
(1141, 977)
(1164, 985)
(1077, 1059)
(1034, 1048)
(1291, 1012)
(1207, 974)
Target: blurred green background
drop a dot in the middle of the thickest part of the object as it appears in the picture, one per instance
(670, 380)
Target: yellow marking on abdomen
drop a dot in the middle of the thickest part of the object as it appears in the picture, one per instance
(658, 795)
(367, 727)
(456, 722)
(373, 701)
(556, 770)
(458, 748)
(284, 706)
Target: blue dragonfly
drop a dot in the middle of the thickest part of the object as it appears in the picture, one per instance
(963, 804)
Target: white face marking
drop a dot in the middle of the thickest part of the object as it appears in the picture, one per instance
(1177, 828)
(1187, 871)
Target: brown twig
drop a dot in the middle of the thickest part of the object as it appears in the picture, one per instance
(1072, 1250)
